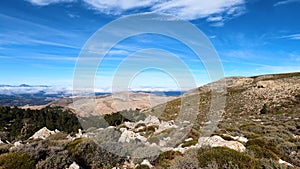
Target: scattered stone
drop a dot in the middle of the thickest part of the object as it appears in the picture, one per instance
(147, 163)
(188, 139)
(151, 120)
(128, 135)
(74, 165)
(18, 143)
(285, 163)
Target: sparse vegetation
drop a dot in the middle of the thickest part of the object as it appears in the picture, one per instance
(225, 156)
(16, 160)
(165, 157)
(189, 143)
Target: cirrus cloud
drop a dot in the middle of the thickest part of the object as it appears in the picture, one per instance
(48, 2)
(184, 9)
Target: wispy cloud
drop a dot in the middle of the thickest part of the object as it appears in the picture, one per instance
(286, 2)
(187, 9)
(12, 90)
(47, 2)
(292, 37)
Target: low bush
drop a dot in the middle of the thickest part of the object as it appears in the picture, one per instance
(164, 158)
(189, 143)
(89, 154)
(224, 157)
(16, 160)
(187, 161)
(272, 164)
(58, 160)
(115, 119)
(262, 148)
(260, 152)
(142, 166)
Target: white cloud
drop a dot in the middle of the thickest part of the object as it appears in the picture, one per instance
(117, 7)
(214, 18)
(184, 9)
(47, 2)
(292, 37)
(286, 2)
(194, 9)
(12, 90)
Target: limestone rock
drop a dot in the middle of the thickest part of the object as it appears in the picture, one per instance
(128, 135)
(147, 163)
(217, 141)
(284, 163)
(237, 138)
(42, 134)
(74, 165)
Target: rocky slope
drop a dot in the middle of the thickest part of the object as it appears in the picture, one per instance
(261, 108)
(237, 122)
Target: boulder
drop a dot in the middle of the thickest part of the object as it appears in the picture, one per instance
(74, 165)
(42, 134)
(217, 141)
(128, 135)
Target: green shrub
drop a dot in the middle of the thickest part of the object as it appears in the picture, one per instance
(58, 136)
(187, 161)
(261, 148)
(58, 160)
(264, 110)
(253, 127)
(153, 139)
(89, 154)
(164, 158)
(225, 156)
(189, 143)
(16, 160)
(115, 119)
(272, 164)
(252, 135)
(142, 166)
(71, 146)
(260, 152)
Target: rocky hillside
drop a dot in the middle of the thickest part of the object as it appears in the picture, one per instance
(234, 123)
(261, 108)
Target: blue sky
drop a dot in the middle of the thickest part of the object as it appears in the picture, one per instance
(40, 40)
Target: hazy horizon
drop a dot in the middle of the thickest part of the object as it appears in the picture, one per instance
(41, 40)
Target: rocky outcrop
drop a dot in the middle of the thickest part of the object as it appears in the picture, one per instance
(128, 135)
(217, 141)
(43, 133)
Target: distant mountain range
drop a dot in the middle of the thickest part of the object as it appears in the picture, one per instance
(33, 95)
